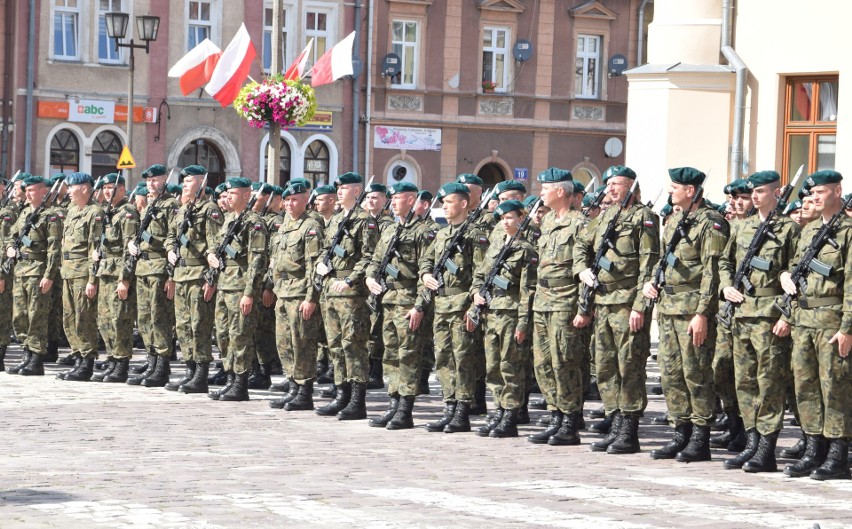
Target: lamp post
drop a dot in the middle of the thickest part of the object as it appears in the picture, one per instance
(146, 29)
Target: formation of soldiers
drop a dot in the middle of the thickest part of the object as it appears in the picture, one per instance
(355, 283)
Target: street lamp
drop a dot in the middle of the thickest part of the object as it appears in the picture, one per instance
(146, 29)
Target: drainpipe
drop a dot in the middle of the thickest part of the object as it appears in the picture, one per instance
(28, 135)
(8, 92)
(356, 87)
(735, 62)
(640, 43)
(369, 72)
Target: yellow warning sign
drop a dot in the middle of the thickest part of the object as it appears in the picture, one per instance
(125, 161)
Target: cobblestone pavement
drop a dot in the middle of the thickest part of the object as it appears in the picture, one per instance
(111, 455)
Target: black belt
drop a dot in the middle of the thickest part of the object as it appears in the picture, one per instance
(399, 285)
(452, 291)
(499, 292)
(552, 283)
(679, 289)
(766, 292)
(151, 255)
(340, 273)
(814, 303)
(32, 256)
(627, 282)
(72, 256)
(191, 262)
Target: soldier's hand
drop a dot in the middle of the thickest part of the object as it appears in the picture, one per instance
(45, 284)
(787, 283)
(122, 289)
(169, 289)
(246, 303)
(11, 253)
(637, 320)
(172, 257)
(468, 325)
(520, 336)
(306, 309)
(781, 329)
(340, 286)
(322, 269)
(132, 249)
(212, 260)
(91, 290)
(479, 300)
(430, 281)
(414, 318)
(208, 291)
(268, 298)
(698, 329)
(582, 320)
(96, 256)
(649, 291)
(844, 343)
(733, 295)
(374, 286)
(588, 277)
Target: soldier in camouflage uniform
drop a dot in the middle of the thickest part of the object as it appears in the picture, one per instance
(344, 312)
(822, 335)
(402, 331)
(55, 330)
(220, 320)
(619, 308)
(264, 338)
(117, 286)
(375, 204)
(239, 285)
(761, 333)
(188, 244)
(36, 271)
(8, 216)
(687, 305)
(296, 248)
(423, 210)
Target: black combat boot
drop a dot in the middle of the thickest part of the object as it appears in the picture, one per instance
(328, 376)
(816, 451)
(292, 391)
(344, 394)
(752, 440)
(569, 432)
(493, 420)
(523, 413)
(78, 361)
(680, 439)
(698, 448)
(605, 426)
(2, 358)
(508, 425)
(143, 368)
(198, 382)
(478, 406)
(52, 354)
(729, 435)
(627, 441)
(598, 413)
(261, 377)
(304, 399)
(357, 407)
(440, 424)
(382, 420)
(35, 367)
(107, 369)
(553, 425)
(238, 391)
(836, 465)
(161, 373)
(461, 419)
(540, 404)
(592, 392)
(84, 373)
(220, 377)
(723, 423)
(69, 360)
(797, 451)
(423, 388)
(616, 420)
(229, 381)
(376, 374)
(187, 376)
(402, 419)
(119, 374)
(764, 458)
(151, 363)
(25, 359)
(283, 387)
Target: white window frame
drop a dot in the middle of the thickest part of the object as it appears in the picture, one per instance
(413, 49)
(213, 25)
(77, 14)
(99, 16)
(580, 89)
(288, 54)
(330, 33)
(505, 51)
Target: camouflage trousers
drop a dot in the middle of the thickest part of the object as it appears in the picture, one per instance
(240, 329)
(375, 344)
(427, 344)
(823, 384)
(558, 360)
(761, 370)
(194, 321)
(220, 320)
(454, 361)
(620, 358)
(155, 314)
(80, 317)
(322, 341)
(55, 321)
(505, 364)
(297, 340)
(30, 311)
(116, 317)
(347, 328)
(402, 361)
(265, 337)
(723, 370)
(6, 313)
(587, 335)
(686, 371)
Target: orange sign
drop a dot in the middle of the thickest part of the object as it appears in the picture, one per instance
(53, 109)
(59, 110)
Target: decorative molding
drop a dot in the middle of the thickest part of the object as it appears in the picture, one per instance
(416, 2)
(512, 6)
(592, 9)
(502, 106)
(587, 112)
(405, 102)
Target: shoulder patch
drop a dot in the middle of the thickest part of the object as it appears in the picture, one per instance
(483, 240)
(215, 214)
(534, 260)
(52, 218)
(371, 225)
(7, 218)
(312, 232)
(61, 215)
(431, 235)
(258, 227)
(128, 215)
(717, 226)
(98, 218)
(649, 223)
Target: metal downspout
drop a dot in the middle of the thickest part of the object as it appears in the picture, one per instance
(640, 43)
(28, 135)
(8, 89)
(356, 87)
(739, 66)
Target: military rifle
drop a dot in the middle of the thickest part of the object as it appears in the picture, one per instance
(600, 261)
(109, 212)
(142, 234)
(493, 278)
(185, 224)
(596, 203)
(211, 275)
(751, 260)
(23, 238)
(7, 192)
(386, 268)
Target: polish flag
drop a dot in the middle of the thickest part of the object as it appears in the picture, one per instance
(232, 69)
(335, 63)
(295, 71)
(195, 68)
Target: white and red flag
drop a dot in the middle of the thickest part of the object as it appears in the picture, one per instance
(335, 63)
(232, 69)
(297, 69)
(195, 68)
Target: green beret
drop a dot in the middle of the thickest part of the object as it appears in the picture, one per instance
(59, 177)
(237, 182)
(728, 189)
(403, 187)
(761, 178)
(579, 187)
(32, 180)
(325, 190)
(174, 189)
(820, 178)
(846, 197)
(265, 189)
(192, 170)
(530, 201)
(78, 178)
(294, 189)
(722, 208)
(113, 178)
(452, 187)
(217, 191)
(348, 178)
(21, 176)
(467, 178)
(588, 199)
(554, 174)
(509, 185)
(425, 195)
(378, 188)
(277, 190)
(157, 169)
(304, 181)
(666, 211)
(689, 176)
(507, 206)
(208, 190)
(618, 170)
(793, 206)
(805, 191)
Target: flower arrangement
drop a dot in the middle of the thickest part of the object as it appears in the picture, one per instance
(488, 86)
(286, 102)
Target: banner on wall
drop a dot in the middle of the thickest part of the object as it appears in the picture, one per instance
(91, 112)
(408, 138)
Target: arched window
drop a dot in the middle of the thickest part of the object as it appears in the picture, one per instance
(105, 153)
(283, 164)
(64, 152)
(491, 174)
(204, 153)
(317, 163)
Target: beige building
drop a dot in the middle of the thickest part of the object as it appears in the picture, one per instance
(689, 105)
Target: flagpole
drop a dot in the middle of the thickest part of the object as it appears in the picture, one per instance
(273, 147)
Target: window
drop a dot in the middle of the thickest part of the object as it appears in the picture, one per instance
(64, 152)
(810, 125)
(267, 39)
(205, 154)
(405, 45)
(317, 162)
(587, 75)
(495, 53)
(66, 29)
(199, 24)
(317, 26)
(107, 52)
(105, 153)
(283, 164)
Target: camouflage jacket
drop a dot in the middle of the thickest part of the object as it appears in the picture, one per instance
(81, 236)
(352, 256)
(415, 241)
(557, 288)
(297, 246)
(197, 241)
(245, 264)
(153, 249)
(40, 252)
(121, 223)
